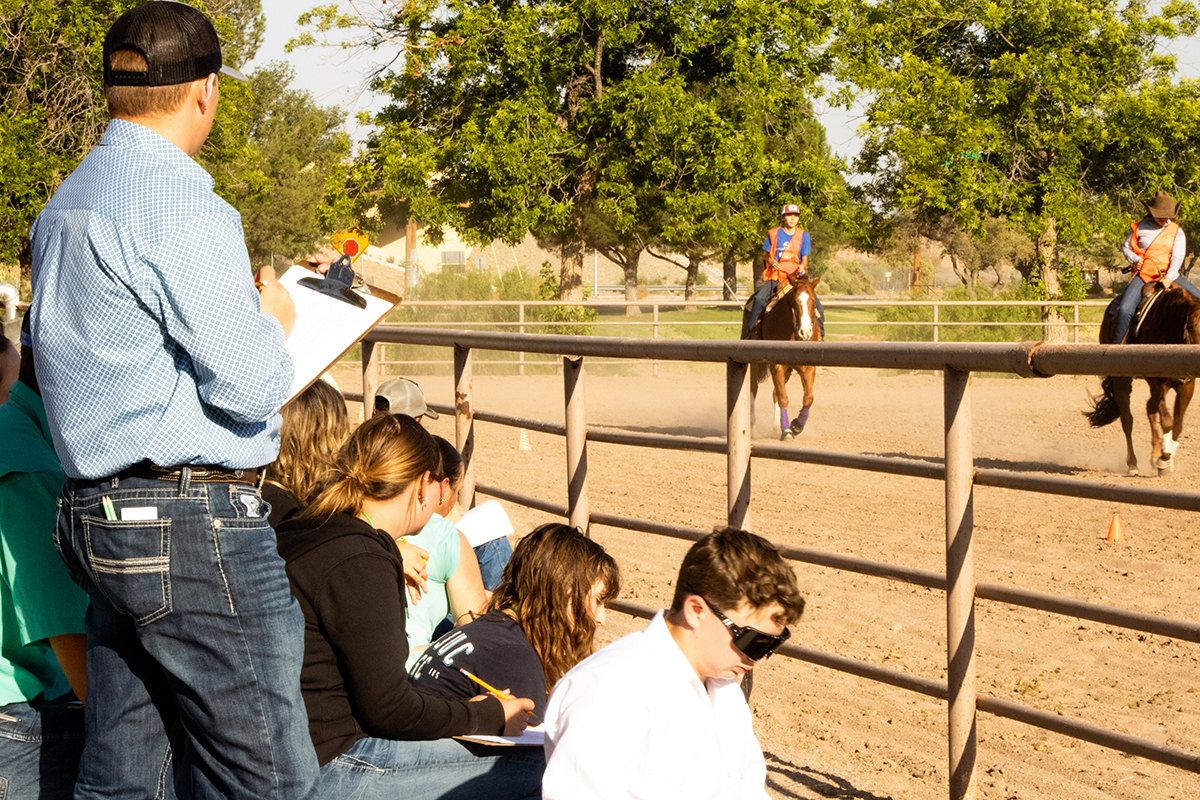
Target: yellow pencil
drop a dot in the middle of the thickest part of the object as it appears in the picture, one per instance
(489, 687)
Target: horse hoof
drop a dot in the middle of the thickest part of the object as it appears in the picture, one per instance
(1133, 473)
(1165, 466)
(796, 427)
(787, 436)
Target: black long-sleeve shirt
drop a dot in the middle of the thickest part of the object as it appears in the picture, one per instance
(349, 580)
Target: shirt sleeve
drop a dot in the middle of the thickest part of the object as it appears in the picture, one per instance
(46, 601)
(1177, 252)
(587, 733)
(361, 606)
(210, 308)
(767, 244)
(1127, 248)
(805, 245)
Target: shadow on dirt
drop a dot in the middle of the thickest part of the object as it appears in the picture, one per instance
(786, 778)
(999, 463)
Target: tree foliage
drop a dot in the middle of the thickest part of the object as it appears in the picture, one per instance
(1056, 112)
(624, 121)
(294, 145)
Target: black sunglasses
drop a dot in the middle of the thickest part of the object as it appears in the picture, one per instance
(753, 644)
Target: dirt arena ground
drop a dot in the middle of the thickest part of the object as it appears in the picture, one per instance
(826, 734)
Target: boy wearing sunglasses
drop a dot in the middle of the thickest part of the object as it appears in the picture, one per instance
(659, 713)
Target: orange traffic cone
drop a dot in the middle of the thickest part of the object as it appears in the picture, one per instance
(1114, 530)
(523, 442)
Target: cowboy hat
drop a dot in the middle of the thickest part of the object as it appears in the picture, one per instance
(1163, 206)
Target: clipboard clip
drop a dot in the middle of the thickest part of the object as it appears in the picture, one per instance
(337, 283)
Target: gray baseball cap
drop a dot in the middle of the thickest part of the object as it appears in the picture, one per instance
(402, 396)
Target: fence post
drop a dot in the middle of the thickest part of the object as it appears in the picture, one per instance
(654, 363)
(464, 423)
(738, 405)
(371, 355)
(960, 584)
(935, 322)
(1076, 322)
(521, 355)
(577, 502)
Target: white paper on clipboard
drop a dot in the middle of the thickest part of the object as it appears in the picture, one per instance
(325, 326)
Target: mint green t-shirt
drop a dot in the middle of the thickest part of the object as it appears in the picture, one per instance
(38, 599)
(440, 538)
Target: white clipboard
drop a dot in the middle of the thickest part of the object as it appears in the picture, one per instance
(326, 327)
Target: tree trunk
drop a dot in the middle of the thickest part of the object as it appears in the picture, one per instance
(729, 274)
(1054, 328)
(689, 289)
(631, 275)
(570, 283)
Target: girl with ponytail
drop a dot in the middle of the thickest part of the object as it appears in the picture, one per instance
(375, 735)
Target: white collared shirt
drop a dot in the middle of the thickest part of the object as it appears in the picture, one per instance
(634, 721)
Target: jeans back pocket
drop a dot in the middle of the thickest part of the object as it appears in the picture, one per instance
(130, 563)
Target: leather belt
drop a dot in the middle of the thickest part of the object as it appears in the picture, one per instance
(201, 473)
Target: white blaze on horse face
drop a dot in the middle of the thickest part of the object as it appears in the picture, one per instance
(806, 323)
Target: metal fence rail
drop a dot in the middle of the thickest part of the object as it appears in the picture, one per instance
(956, 361)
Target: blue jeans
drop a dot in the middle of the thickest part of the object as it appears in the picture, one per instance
(492, 557)
(194, 643)
(444, 769)
(39, 749)
(763, 295)
(1131, 299)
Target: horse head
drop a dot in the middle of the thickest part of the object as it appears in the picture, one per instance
(804, 294)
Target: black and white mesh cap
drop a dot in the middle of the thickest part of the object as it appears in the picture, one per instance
(178, 42)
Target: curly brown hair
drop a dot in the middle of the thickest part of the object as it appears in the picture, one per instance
(547, 583)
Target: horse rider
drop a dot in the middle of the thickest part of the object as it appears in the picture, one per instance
(1154, 248)
(787, 248)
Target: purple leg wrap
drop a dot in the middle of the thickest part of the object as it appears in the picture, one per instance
(803, 417)
(783, 419)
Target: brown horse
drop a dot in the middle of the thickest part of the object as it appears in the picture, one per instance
(793, 317)
(1171, 317)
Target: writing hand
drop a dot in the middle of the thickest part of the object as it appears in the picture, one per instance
(275, 300)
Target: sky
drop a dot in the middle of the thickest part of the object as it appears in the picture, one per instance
(335, 79)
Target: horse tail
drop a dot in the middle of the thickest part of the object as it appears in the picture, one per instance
(1105, 409)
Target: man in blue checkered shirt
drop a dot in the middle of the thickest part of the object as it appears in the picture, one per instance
(163, 371)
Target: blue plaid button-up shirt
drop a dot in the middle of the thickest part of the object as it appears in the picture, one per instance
(149, 339)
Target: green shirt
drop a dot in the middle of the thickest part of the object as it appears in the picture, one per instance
(38, 599)
(440, 538)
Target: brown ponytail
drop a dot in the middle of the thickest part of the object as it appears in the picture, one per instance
(380, 460)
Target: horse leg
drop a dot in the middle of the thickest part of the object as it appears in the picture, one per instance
(780, 375)
(1155, 406)
(1183, 398)
(1122, 389)
(808, 377)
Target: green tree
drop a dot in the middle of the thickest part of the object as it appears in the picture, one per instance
(508, 118)
(1056, 112)
(52, 109)
(293, 147)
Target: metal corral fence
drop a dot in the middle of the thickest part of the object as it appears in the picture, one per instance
(1077, 328)
(960, 476)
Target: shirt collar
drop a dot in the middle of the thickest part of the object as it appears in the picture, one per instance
(123, 133)
(669, 657)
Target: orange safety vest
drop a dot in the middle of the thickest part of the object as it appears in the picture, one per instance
(789, 259)
(1156, 259)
